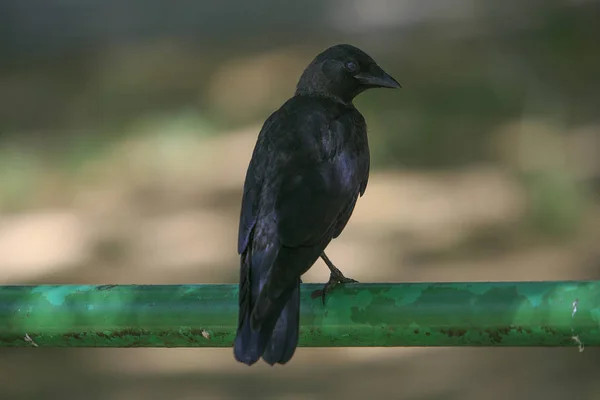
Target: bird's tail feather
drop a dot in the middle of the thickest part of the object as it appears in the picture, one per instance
(248, 346)
(284, 339)
(267, 326)
(275, 337)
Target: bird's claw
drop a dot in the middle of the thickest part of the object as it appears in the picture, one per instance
(334, 280)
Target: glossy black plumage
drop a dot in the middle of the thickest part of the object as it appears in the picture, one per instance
(309, 166)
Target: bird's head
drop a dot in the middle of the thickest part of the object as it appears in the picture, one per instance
(343, 71)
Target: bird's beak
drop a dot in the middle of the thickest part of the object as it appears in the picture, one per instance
(377, 77)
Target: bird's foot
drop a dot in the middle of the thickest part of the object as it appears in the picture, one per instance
(335, 278)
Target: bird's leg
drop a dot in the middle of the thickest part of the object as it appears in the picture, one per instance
(335, 278)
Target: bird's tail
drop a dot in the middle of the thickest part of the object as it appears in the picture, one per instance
(271, 329)
(284, 338)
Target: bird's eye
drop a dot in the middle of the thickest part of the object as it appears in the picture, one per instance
(352, 66)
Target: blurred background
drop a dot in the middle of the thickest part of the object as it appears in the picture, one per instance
(125, 133)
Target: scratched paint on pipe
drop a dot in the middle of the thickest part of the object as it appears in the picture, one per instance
(417, 314)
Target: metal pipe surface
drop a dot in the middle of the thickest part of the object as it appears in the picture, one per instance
(405, 314)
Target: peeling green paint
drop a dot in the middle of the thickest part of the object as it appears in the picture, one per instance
(411, 314)
(57, 294)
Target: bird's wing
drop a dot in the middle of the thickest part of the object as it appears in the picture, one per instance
(253, 185)
(248, 212)
(318, 181)
(346, 213)
(309, 182)
(344, 217)
(308, 203)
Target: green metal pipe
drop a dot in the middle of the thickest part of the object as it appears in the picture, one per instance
(408, 314)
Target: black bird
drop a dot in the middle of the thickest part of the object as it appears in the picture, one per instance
(309, 166)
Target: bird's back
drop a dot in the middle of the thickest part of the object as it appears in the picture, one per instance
(308, 131)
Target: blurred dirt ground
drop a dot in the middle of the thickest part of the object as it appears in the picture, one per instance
(155, 213)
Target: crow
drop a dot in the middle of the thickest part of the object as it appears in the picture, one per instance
(309, 166)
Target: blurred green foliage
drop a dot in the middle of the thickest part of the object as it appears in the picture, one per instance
(460, 84)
